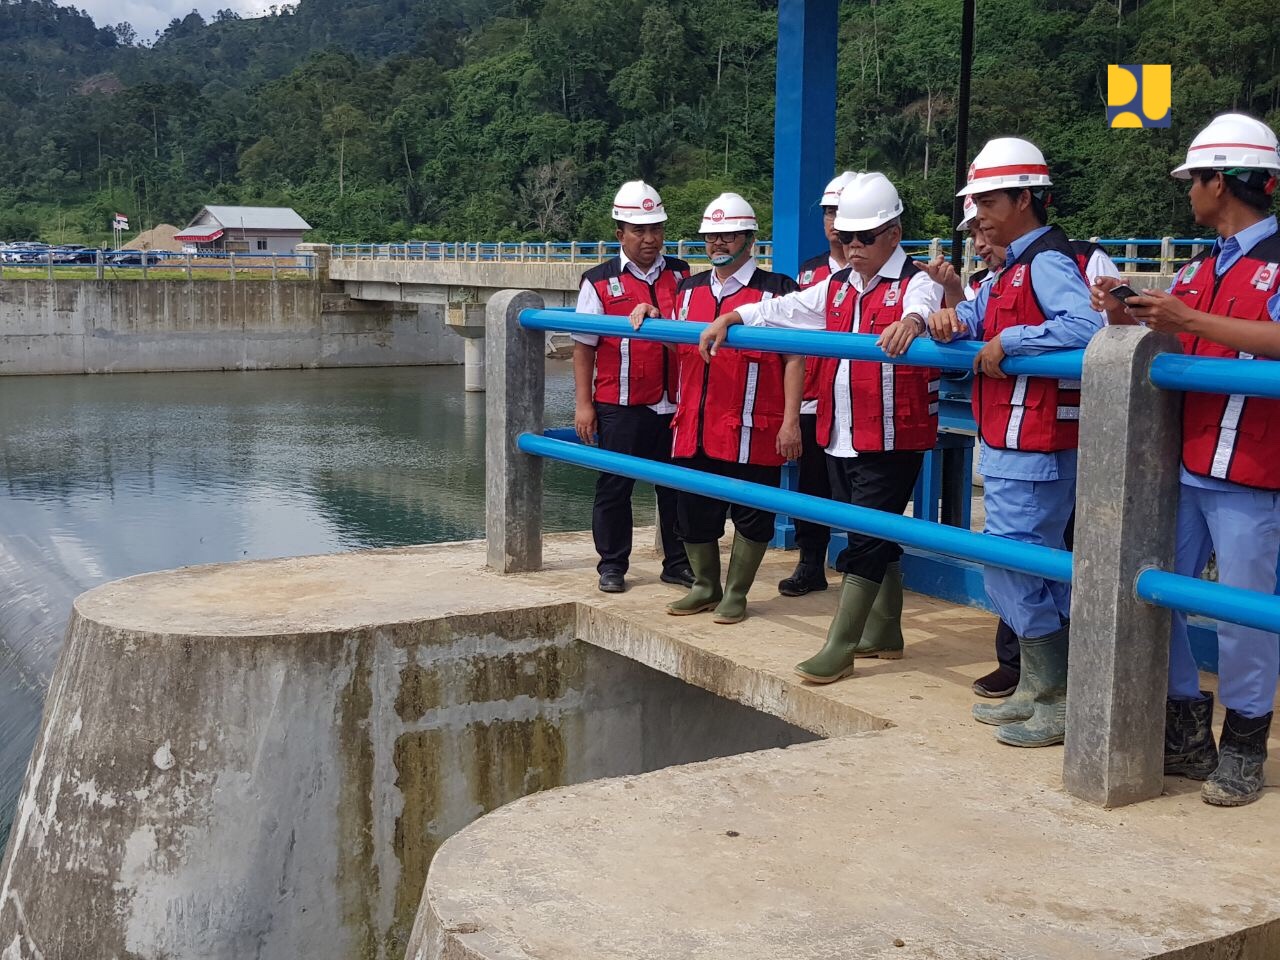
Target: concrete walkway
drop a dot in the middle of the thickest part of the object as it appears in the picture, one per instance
(911, 833)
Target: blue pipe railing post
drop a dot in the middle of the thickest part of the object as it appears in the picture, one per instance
(1126, 511)
(514, 400)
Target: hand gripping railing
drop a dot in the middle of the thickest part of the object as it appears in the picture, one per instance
(1127, 489)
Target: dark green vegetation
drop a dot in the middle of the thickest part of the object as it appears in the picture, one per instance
(510, 119)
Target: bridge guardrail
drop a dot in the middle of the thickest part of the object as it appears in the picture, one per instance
(1128, 457)
(160, 264)
(1132, 254)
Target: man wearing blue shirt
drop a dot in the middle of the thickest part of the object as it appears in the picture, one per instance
(1225, 303)
(1028, 426)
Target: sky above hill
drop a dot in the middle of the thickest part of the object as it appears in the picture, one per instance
(148, 16)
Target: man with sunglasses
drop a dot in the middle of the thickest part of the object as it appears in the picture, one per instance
(737, 414)
(1028, 426)
(625, 389)
(874, 420)
(812, 538)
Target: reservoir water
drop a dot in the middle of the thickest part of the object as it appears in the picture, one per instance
(109, 476)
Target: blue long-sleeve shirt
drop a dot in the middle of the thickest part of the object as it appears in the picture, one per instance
(1070, 323)
(1226, 254)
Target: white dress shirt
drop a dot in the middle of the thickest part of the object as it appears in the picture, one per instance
(589, 302)
(807, 310)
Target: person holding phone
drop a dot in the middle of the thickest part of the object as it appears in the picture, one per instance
(1028, 426)
(875, 420)
(1224, 303)
(737, 414)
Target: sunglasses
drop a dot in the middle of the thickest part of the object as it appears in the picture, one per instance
(729, 238)
(864, 237)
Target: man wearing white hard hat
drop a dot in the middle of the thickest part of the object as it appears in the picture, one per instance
(875, 420)
(812, 538)
(1028, 426)
(1225, 303)
(737, 414)
(624, 388)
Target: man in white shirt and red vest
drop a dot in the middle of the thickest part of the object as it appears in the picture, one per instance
(874, 420)
(1028, 427)
(1225, 303)
(812, 538)
(737, 414)
(624, 388)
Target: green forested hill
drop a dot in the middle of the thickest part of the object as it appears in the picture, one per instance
(383, 119)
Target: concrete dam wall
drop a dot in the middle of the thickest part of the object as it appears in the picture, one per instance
(135, 326)
(210, 783)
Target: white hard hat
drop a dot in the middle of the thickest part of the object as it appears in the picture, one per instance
(868, 201)
(1231, 140)
(728, 213)
(970, 211)
(831, 195)
(637, 202)
(1006, 163)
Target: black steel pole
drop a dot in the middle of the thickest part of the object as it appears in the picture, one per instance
(962, 128)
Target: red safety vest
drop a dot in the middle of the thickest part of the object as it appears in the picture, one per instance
(731, 408)
(1233, 437)
(1038, 414)
(893, 407)
(631, 372)
(1084, 251)
(812, 272)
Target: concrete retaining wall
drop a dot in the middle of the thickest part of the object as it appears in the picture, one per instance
(95, 326)
(274, 792)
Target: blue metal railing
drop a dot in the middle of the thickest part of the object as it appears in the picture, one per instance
(1173, 591)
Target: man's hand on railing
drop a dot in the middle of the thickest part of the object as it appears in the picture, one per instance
(641, 313)
(898, 336)
(584, 423)
(988, 360)
(712, 338)
(789, 443)
(944, 325)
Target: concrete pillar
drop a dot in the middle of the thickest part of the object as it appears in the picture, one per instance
(516, 390)
(1126, 505)
(320, 254)
(473, 365)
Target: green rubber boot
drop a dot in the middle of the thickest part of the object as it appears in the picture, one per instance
(704, 559)
(1017, 707)
(835, 659)
(882, 636)
(744, 561)
(1046, 659)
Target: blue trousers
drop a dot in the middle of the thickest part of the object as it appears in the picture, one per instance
(1242, 527)
(1030, 511)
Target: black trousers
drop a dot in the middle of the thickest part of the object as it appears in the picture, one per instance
(812, 538)
(639, 432)
(1008, 653)
(882, 481)
(701, 519)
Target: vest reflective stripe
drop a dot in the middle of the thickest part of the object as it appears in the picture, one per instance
(812, 272)
(1231, 437)
(891, 407)
(731, 408)
(1036, 414)
(633, 372)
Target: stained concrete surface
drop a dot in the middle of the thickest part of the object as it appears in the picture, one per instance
(911, 826)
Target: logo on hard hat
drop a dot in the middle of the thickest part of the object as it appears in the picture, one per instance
(1139, 95)
(647, 204)
(717, 216)
(973, 169)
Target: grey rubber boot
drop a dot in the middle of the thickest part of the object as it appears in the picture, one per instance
(1045, 658)
(1238, 778)
(1189, 750)
(1017, 706)
(835, 659)
(704, 560)
(744, 561)
(882, 636)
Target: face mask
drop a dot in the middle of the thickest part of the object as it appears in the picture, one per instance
(724, 259)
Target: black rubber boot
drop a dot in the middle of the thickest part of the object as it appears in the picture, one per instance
(810, 575)
(1189, 750)
(1238, 779)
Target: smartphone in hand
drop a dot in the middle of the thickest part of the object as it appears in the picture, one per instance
(1123, 292)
